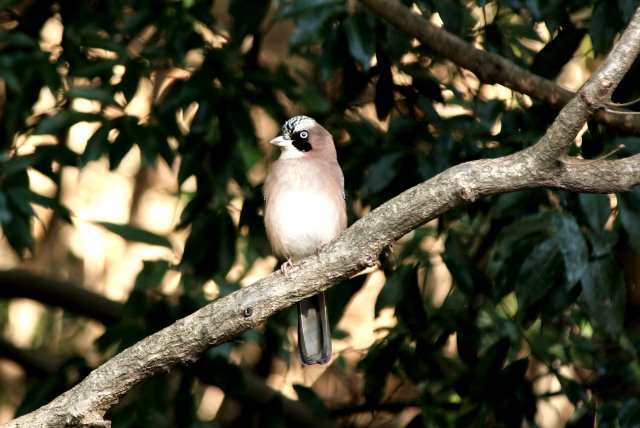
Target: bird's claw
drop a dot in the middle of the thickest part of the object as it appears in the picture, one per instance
(284, 267)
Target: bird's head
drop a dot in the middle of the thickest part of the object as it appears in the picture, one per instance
(303, 137)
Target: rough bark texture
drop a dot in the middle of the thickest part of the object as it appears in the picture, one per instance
(488, 67)
(543, 165)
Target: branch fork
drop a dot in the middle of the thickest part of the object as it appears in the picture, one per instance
(543, 165)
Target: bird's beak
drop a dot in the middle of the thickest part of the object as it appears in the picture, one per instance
(279, 141)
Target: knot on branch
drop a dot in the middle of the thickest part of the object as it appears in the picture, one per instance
(468, 194)
(597, 98)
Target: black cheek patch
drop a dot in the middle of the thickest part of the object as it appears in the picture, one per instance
(302, 145)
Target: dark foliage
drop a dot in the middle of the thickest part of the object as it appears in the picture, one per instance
(539, 287)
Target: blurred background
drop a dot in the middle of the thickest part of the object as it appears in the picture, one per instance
(133, 145)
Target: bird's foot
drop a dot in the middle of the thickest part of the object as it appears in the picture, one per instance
(284, 267)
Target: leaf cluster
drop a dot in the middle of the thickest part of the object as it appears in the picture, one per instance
(540, 288)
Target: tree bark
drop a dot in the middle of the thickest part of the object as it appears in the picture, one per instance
(488, 67)
(72, 297)
(543, 165)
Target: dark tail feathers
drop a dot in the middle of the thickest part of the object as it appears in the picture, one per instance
(314, 337)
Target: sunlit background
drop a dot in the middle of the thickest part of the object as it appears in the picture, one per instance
(149, 197)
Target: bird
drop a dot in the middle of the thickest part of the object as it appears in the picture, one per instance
(304, 210)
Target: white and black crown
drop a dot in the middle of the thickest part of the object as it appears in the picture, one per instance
(291, 124)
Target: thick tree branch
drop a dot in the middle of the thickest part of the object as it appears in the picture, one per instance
(544, 164)
(488, 67)
(56, 292)
(18, 283)
(34, 362)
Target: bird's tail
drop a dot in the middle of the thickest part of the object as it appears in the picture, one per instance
(314, 337)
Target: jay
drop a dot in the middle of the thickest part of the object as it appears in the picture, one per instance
(305, 209)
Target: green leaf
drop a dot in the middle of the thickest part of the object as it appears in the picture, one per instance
(20, 199)
(236, 112)
(50, 76)
(97, 145)
(151, 275)
(246, 23)
(538, 274)
(381, 173)
(360, 31)
(334, 49)
(119, 149)
(627, 8)
(5, 212)
(604, 25)
(428, 87)
(9, 75)
(630, 413)
(602, 243)
(452, 14)
(394, 288)
(338, 298)
(61, 122)
(529, 225)
(210, 248)
(629, 206)
(397, 44)
(58, 153)
(95, 68)
(18, 233)
(164, 149)
(47, 202)
(225, 375)
(17, 39)
(573, 247)
(512, 204)
(377, 365)
(313, 21)
(191, 163)
(298, 8)
(130, 79)
(489, 366)
(467, 341)
(604, 294)
(102, 95)
(314, 101)
(411, 312)
(312, 401)
(550, 60)
(144, 138)
(575, 392)
(384, 90)
(466, 276)
(596, 209)
(135, 234)
(19, 163)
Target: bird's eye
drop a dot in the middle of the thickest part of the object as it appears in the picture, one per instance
(301, 141)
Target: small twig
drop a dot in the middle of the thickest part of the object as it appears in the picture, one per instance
(607, 155)
(622, 112)
(627, 104)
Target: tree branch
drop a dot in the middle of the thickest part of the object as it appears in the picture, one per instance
(488, 67)
(36, 363)
(18, 283)
(544, 164)
(56, 292)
